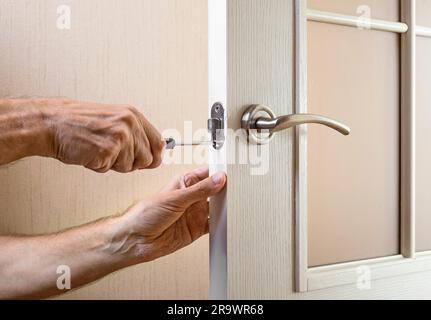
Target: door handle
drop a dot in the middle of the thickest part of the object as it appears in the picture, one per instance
(260, 123)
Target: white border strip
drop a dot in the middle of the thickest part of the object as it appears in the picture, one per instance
(423, 31)
(300, 92)
(217, 55)
(360, 22)
(381, 268)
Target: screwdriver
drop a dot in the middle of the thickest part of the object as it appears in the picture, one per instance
(171, 143)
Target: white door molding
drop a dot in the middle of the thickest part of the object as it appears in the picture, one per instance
(217, 77)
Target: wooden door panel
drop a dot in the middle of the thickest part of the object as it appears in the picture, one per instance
(265, 227)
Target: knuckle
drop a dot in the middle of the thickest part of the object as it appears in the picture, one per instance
(128, 116)
(144, 161)
(122, 134)
(141, 116)
(158, 163)
(116, 149)
(123, 168)
(131, 108)
(106, 152)
(144, 144)
(102, 153)
(148, 160)
(141, 146)
(160, 145)
(104, 169)
(128, 166)
(189, 180)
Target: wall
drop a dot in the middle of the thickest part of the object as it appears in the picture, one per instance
(148, 53)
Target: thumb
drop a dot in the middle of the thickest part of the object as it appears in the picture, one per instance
(202, 190)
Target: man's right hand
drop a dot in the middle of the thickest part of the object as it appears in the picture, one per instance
(101, 137)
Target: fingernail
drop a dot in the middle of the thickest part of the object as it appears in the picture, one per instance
(217, 178)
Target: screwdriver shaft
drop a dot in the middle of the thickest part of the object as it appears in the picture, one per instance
(172, 143)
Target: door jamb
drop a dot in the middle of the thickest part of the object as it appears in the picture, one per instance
(217, 92)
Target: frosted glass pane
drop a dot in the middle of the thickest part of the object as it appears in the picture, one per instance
(423, 13)
(354, 77)
(423, 144)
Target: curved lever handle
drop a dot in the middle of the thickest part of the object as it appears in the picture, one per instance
(258, 118)
(292, 120)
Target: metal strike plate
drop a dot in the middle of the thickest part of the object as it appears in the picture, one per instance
(216, 125)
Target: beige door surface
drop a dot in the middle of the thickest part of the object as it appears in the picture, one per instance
(334, 216)
(148, 53)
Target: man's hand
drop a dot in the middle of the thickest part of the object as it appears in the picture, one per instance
(156, 227)
(170, 220)
(103, 137)
(97, 136)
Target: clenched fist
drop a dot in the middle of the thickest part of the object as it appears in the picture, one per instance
(102, 137)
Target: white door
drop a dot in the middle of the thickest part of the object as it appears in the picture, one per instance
(314, 213)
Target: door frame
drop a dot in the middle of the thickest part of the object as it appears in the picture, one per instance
(319, 281)
(217, 92)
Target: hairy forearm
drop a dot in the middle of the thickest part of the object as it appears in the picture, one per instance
(29, 266)
(24, 131)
